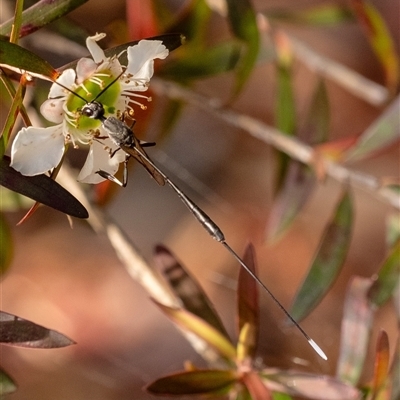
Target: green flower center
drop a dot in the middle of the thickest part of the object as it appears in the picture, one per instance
(90, 93)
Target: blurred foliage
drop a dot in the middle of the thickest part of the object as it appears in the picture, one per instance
(244, 47)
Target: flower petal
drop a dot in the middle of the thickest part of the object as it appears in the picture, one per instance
(99, 159)
(37, 150)
(94, 49)
(141, 59)
(85, 68)
(67, 79)
(52, 110)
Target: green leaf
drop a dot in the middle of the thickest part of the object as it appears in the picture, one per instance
(380, 40)
(6, 245)
(328, 260)
(42, 189)
(18, 59)
(12, 115)
(247, 305)
(20, 332)
(198, 382)
(187, 289)
(299, 179)
(40, 14)
(7, 384)
(285, 112)
(243, 22)
(384, 132)
(355, 332)
(320, 15)
(388, 278)
(202, 329)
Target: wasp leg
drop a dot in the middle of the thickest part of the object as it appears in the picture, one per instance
(114, 179)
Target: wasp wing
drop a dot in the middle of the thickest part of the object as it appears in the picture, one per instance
(138, 153)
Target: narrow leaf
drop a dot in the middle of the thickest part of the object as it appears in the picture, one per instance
(6, 244)
(202, 329)
(40, 14)
(328, 260)
(21, 60)
(355, 331)
(187, 289)
(199, 382)
(247, 306)
(388, 278)
(299, 179)
(382, 133)
(242, 19)
(23, 333)
(380, 39)
(381, 365)
(42, 189)
(13, 114)
(310, 386)
(7, 384)
(285, 114)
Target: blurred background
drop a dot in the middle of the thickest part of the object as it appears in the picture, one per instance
(70, 279)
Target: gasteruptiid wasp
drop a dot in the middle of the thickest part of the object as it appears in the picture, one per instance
(124, 138)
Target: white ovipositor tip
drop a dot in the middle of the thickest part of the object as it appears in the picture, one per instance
(318, 349)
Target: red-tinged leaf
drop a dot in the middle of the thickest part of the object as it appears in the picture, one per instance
(21, 60)
(187, 288)
(335, 150)
(40, 14)
(383, 132)
(319, 15)
(42, 189)
(309, 386)
(355, 331)
(388, 278)
(381, 366)
(140, 18)
(380, 39)
(7, 384)
(193, 324)
(256, 387)
(247, 306)
(6, 244)
(328, 260)
(243, 23)
(200, 382)
(394, 377)
(20, 332)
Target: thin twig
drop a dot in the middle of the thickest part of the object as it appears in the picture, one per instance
(267, 134)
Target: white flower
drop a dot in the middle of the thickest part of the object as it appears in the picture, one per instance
(37, 150)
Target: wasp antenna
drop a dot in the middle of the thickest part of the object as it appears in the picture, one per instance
(71, 91)
(110, 84)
